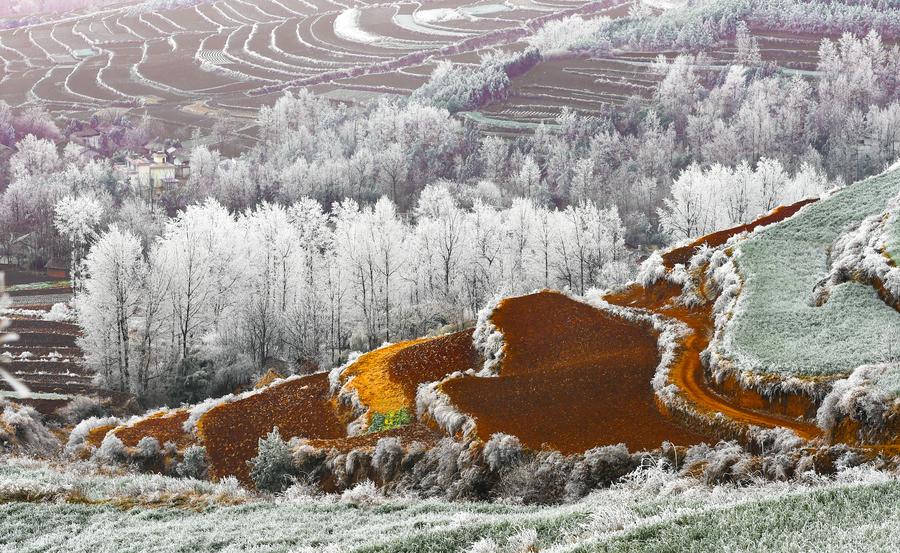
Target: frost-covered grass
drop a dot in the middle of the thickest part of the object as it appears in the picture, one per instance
(25, 479)
(653, 510)
(854, 518)
(892, 232)
(777, 328)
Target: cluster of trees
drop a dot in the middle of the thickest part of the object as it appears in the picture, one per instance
(707, 200)
(41, 178)
(32, 121)
(844, 123)
(218, 295)
(698, 25)
(841, 126)
(487, 82)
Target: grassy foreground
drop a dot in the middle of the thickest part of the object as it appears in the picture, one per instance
(75, 509)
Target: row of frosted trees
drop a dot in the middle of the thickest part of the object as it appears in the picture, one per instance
(219, 295)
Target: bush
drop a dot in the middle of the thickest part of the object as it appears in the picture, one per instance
(22, 430)
(310, 463)
(148, 453)
(502, 452)
(542, 480)
(112, 450)
(272, 469)
(194, 464)
(80, 408)
(390, 420)
(386, 461)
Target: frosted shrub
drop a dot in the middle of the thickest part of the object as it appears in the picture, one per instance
(652, 270)
(147, 453)
(194, 464)
(22, 429)
(726, 462)
(866, 397)
(433, 403)
(310, 463)
(414, 453)
(609, 463)
(272, 469)
(78, 437)
(387, 457)
(80, 408)
(111, 450)
(61, 313)
(502, 452)
(487, 338)
(357, 466)
(364, 494)
(542, 480)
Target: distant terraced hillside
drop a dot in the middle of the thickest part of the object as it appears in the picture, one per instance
(185, 66)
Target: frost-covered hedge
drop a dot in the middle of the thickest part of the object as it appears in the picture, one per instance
(863, 254)
(869, 399)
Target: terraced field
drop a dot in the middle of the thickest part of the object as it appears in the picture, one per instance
(46, 356)
(185, 66)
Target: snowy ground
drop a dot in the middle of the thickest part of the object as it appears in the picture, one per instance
(45, 299)
(74, 509)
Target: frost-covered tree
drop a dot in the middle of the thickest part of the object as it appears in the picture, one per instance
(109, 307)
(78, 220)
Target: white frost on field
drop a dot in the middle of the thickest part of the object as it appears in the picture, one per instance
(859, 507)
(664, 4)
(438, 15)
(410, 23)
(484, 9)
(346, 26)
(776, 327)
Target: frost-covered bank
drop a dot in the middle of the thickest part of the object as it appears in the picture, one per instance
(654, 509)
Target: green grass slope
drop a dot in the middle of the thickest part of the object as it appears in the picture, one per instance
(776, 328)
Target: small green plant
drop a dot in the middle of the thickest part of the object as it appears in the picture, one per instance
(389, 420)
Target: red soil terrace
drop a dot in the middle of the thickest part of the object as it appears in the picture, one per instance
(299, 408)
(165, 427)
(573, 377)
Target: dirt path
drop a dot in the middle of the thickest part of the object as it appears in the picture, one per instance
(688, 372)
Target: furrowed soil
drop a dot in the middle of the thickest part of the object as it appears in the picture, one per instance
(573, 377)
(165, 427)
(299, 408)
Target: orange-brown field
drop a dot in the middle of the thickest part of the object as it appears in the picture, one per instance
(572, 378)
(164, 426)
(300, 407)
